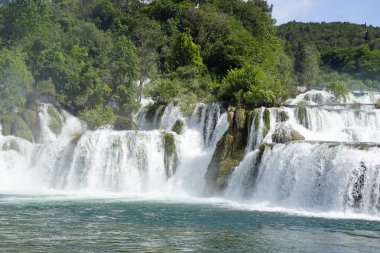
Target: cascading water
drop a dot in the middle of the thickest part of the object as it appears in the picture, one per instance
(320, 157)
(334, 167)
(134, 162)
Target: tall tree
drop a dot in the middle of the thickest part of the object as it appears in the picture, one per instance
(14, 79)
(309, 66)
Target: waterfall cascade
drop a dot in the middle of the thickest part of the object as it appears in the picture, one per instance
(314, 153)
(332, 165)
(134, 162)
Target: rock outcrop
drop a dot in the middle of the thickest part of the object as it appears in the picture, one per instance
(285, 133)
(229, 151)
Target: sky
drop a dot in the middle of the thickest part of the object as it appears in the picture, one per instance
(354, 11)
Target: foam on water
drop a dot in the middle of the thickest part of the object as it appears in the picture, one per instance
(333, 173)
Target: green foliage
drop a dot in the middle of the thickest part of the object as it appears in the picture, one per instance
(283, 116)
(186, 52)
(309, 66)
(338, 89)
(124, 123)
(97, 53)
(350, 50)
(164, 91)
(178, 126)
(99, 116)
(250, 85)
(14, 79)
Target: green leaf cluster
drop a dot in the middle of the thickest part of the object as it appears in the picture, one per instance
(104, 55)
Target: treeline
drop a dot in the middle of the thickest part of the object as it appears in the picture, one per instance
(345, 51)
(96, 56)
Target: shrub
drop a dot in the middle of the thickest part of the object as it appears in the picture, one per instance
(98, 116)
(338, 89)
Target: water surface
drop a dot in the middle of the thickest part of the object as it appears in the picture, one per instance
(54, 224)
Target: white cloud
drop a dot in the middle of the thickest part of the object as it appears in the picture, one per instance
(287, 10)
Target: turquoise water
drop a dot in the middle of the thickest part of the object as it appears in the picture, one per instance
(46, 224)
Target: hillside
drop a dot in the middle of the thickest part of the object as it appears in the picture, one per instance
(350, 51)
(95, 56)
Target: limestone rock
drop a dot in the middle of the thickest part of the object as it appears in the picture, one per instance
(284, 133)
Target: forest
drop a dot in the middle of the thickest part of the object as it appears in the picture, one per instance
(99, 58)
(345, 51)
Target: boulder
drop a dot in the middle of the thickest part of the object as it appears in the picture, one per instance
(284, 133)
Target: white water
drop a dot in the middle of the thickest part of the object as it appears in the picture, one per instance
(105, 160)
(336, 170)
(321, 97)
(314, 176)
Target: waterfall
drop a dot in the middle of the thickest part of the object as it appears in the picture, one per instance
(155, 161)
(315, 154)
(159, 117)
(321, 176)
(320, 97)
(334, 167)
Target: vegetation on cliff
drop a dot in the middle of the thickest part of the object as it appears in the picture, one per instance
(96, 56)
(99, 57)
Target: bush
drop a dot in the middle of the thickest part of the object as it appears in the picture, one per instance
(338, 89)
(251, 86)
(164, 91)
(178, 126)
(98, 116)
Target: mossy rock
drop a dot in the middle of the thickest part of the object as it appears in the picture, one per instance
(284, 134)
(231, 113)
(31, 119)
(76, 137)
(11, 145)
(228, 166)
(257, 118)
(266, 119)
(296, 136)
(55, 121)
(263, 146)
(15, 125)
(124, 123)
(229, 152)
(240, 118)
(301, 111)
(283, 115)
(170, 156)
(151, 111)
(169, 144)
(178, 126)
(301, 114)
(377, 105)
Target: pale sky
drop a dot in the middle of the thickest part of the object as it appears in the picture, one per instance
(354, 11)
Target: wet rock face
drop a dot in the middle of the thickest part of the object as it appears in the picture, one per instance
(229, 151)
(55, 121)
(25, 123)
(240, 119)
(125, 123)
(284, 133)
(31, 119)
(13, 124)
(171, 156)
